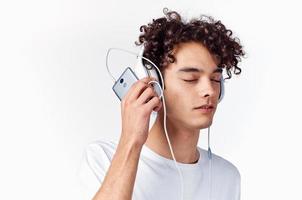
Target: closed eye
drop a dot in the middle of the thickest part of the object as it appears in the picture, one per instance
(190, 80)
(218, 81)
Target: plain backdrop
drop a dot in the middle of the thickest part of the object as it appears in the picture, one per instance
(56, 97)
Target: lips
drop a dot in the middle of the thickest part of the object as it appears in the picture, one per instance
(205, 109)
(206, 106)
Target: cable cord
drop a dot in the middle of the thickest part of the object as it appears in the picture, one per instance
(164, 106)
(210, 165)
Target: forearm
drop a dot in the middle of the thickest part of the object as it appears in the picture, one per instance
(119, 181)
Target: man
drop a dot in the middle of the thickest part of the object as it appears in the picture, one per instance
(191, 57)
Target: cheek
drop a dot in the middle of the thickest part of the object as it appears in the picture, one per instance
(176, 100)
(177, 96)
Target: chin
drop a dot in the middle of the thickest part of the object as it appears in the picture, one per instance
(202, 124)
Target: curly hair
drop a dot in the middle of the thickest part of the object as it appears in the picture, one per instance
(162, 35)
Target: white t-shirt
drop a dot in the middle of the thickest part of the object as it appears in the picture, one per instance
(157, 177)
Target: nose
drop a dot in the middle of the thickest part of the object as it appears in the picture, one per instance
(206, 88)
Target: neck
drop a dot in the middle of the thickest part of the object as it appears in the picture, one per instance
(183, 141)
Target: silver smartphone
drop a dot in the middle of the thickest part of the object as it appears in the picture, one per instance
(123, 84)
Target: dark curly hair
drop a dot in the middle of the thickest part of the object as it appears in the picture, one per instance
(163, 34)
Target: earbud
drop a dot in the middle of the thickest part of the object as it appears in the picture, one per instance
(143, 71)
(221, 94)
(158, 87)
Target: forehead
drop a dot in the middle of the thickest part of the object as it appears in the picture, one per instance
(194, 57)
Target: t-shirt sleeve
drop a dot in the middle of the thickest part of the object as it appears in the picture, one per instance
(92, 169)
(238, 187)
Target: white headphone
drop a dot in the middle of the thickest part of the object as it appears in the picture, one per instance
(142, 71)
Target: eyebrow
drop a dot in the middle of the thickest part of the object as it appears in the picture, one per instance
(194, 69)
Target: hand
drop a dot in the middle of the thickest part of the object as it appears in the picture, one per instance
(136, 108)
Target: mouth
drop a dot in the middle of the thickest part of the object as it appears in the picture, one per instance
(208, 108)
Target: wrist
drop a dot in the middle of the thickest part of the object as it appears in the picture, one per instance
(130, 143)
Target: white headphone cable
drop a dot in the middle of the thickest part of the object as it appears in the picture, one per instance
(210, 165)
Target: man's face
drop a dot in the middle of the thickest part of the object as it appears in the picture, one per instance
(187, 89)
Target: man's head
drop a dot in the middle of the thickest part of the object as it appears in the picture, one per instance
(191, 56)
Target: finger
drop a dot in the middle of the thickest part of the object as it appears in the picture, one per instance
(152, 104)
(146, 95)
(138, 87)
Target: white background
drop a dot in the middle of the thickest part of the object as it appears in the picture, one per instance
(55, 92)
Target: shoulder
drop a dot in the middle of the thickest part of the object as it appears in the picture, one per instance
(100, 152)
(97, 157)
(101, 147)
(225, 168)
(95, 161)
(227, 176)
